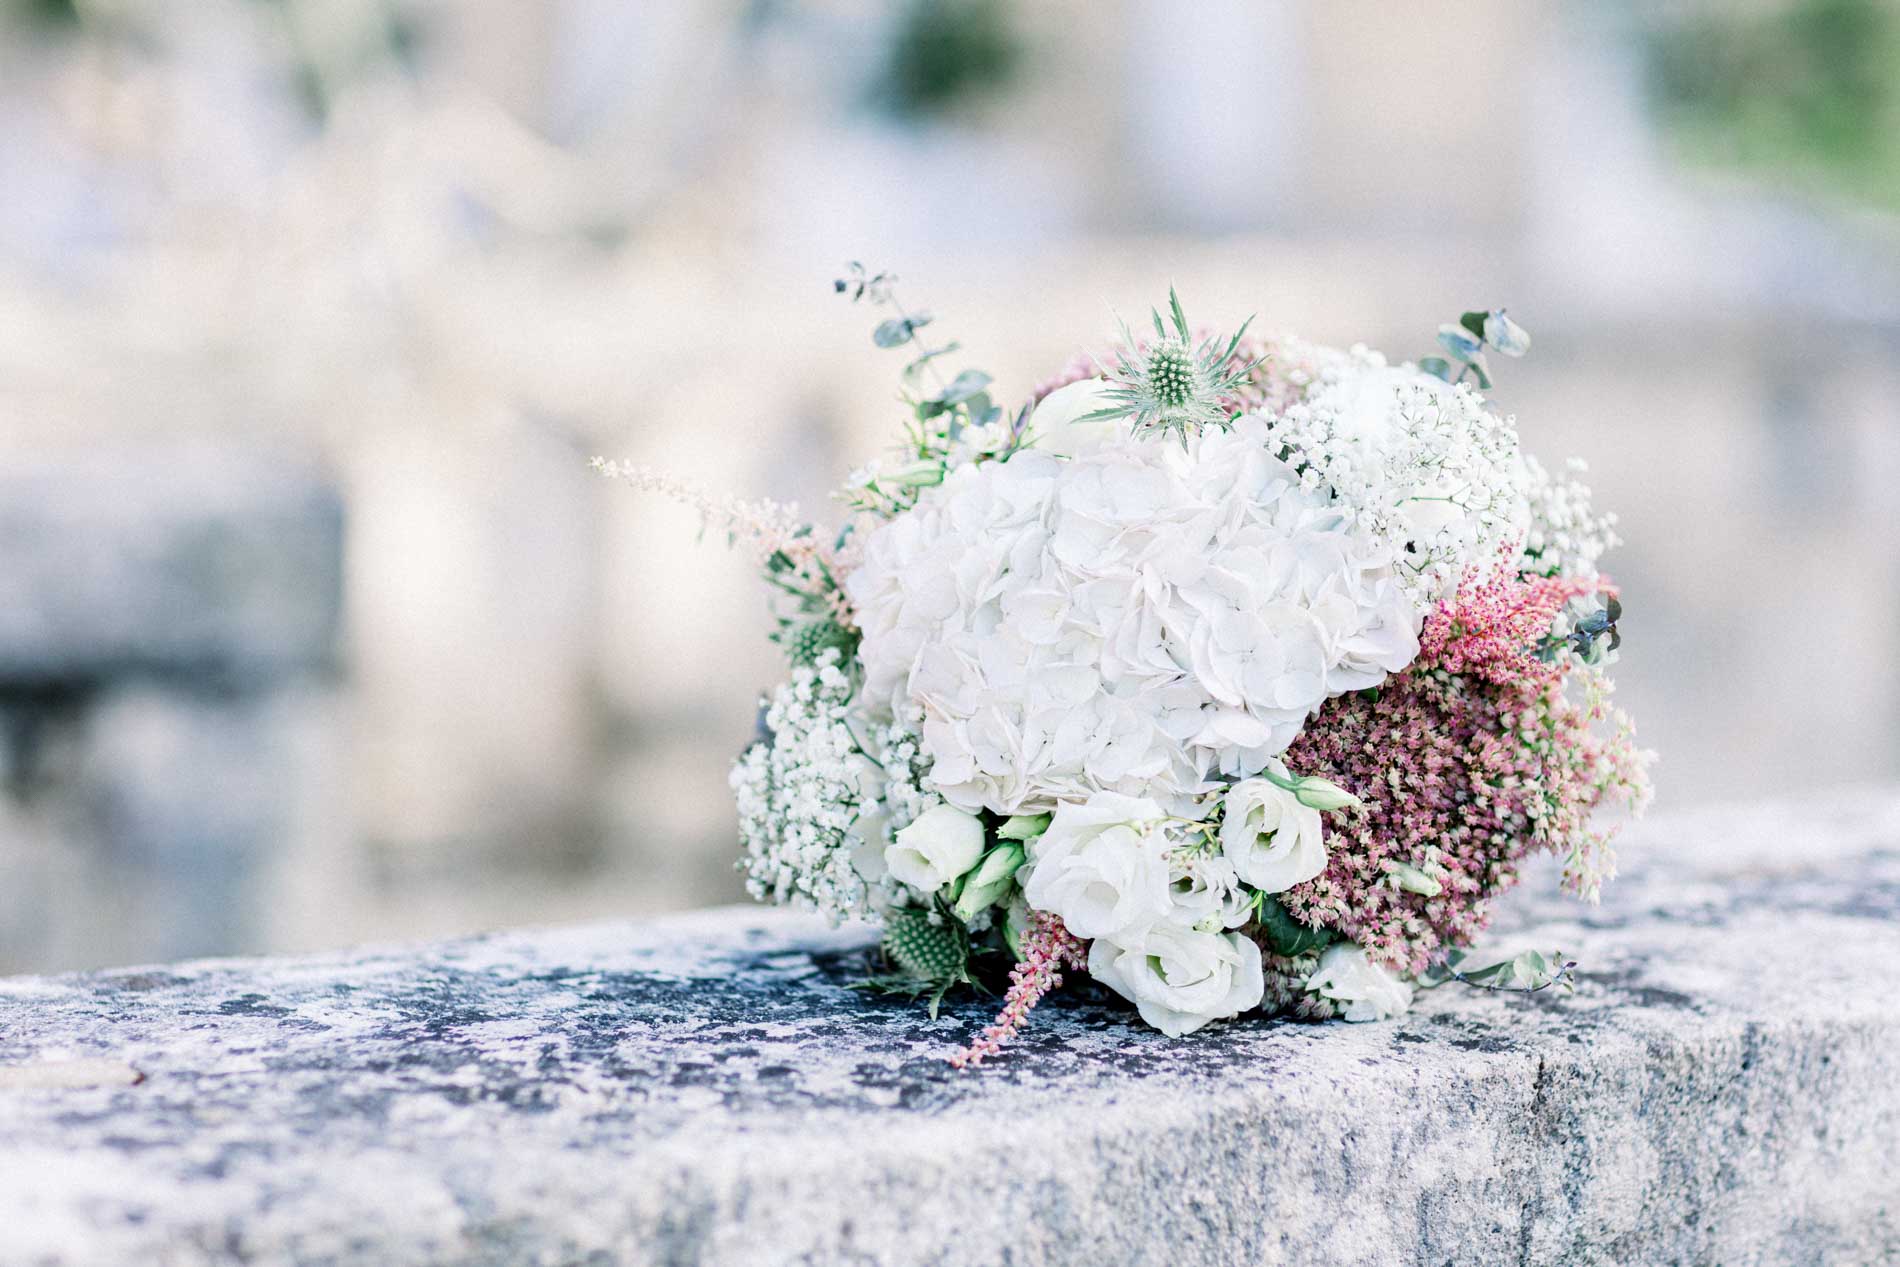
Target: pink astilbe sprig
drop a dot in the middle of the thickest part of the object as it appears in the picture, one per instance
(1047, 948)
(1489, 628)
(763, 529)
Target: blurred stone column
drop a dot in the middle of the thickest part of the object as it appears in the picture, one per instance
(168, 623)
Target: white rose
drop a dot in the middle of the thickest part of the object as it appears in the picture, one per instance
(941, 845)
(1053, 427)
(1180, 979)
(1272, 840)
(1102, 867)
(1346, 975)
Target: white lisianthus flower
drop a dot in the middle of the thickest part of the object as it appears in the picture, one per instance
(1206, 892)
(1365, 991)
(1273, 841)
(941, 845)
(1102, 867)
(1053, 427)
(1180, 978)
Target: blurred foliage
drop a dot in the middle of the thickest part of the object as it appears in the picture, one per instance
(46, 14)
(945, 54)
(1806, 90)
(369, 40)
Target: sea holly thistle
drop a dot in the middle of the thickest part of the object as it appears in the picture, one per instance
(929, 952)
(1173, 384)
(1465, 342)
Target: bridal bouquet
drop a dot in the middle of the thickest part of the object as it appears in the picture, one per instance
(1241, 673)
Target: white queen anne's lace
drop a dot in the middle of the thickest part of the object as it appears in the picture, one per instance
(1421, 465)
(1135, 619)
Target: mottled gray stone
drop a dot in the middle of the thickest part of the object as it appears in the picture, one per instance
(177, 558)
(1724, 1088)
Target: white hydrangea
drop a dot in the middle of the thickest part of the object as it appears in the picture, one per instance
(1135, 619)
(815, 812)
(1418, 463)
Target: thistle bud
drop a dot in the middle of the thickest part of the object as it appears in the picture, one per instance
(1323, 794)
(1413, 880)
(1023, 826)
(986, 885)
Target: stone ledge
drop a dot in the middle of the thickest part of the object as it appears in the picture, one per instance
(174, 559)
(1723, 1088)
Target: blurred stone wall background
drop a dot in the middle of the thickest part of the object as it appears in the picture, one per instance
(347, 290)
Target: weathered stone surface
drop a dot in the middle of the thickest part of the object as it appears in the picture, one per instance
(202, 560)
(1723, 1088)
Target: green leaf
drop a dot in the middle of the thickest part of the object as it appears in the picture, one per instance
(1477, 372)
(963, 387)
(1288, 937)
(1180, 318)
(897, 331)
(1505, 334)
(1461, 343)
(916, 367)
(1474, 322)
(1436, 366)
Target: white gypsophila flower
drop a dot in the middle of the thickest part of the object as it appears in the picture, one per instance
(1420, 464)
(1133, 619)
(1567, 535)
(1179, 977)
(1364, 990)
(812, 811)
(942, 844)
(1272, 840)
(1101, 866)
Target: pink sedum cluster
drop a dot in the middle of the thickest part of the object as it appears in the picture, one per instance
(1478, 755)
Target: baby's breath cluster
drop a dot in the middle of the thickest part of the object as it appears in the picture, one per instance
(1567, 535)
(809, 799)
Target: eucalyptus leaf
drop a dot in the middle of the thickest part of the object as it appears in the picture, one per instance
(916, 367)
(1505, 334)
(896, 331)
(963, 387)
(1478, 372)
(1461, 343)
(1436, 366)
(1474, 322)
